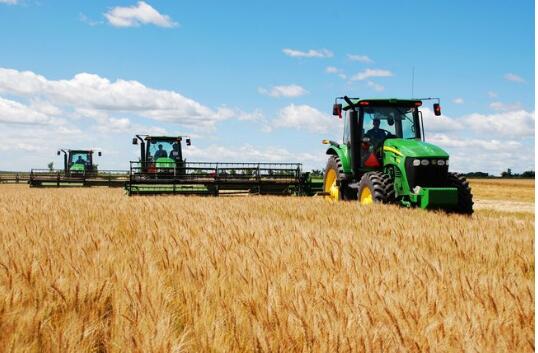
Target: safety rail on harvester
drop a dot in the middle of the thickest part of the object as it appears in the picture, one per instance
(212, 178)
(61, 178)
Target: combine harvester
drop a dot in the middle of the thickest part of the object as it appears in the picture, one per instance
(162, 170)
(384, 158)
(79, 170)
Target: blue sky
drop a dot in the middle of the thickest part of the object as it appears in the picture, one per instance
(255, 81)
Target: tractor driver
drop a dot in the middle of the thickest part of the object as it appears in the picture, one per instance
(376, 134)
(160, 153)
(80, 160)
(174, 153)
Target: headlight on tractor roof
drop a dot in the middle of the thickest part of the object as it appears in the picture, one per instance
(424, 162)
(441, 162)
(416, 162)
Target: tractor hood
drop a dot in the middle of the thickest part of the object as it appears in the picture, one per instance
(414, 148)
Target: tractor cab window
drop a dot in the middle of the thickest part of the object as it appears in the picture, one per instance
(164, 149)
(381, 123)
(79, 158)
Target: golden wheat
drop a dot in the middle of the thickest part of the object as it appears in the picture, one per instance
(91, 270)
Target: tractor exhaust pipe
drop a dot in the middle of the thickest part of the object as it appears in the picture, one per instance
(354, 151)
(355, 135)
(142, 149)
(65, 159)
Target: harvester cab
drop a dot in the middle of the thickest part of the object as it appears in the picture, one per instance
(384, 158)
(79, 162)
(161, 154)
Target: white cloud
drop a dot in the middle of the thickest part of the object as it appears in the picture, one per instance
(514, 78)
(92, 92)
(12, 112)
(312, 53)
(334, 70)
(304, 117)
(136, 15)
(283, 91)
(458, 100)
(500, 106)
(9, 2)
(376, 86)
(363, 75)
(83, 18)
(492, 94)
(360, 58)
(515, 124)
(441, 123)
(499, 126)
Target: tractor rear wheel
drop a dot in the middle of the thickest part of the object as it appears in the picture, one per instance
(465, 197)
(333, 185)
(375, 187)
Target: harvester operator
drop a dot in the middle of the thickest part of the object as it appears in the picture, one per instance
(160, 153)
(174, 153)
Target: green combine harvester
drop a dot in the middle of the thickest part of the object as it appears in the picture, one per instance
(384, 158)
(79, 170)
(162, 169)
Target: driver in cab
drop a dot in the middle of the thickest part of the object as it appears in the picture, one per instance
(376, 134)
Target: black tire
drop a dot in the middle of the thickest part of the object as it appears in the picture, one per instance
(465, 197)
(380, 186)
(334, 163)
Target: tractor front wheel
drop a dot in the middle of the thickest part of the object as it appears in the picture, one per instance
(465, 197)
(375, 187)
(333, 185)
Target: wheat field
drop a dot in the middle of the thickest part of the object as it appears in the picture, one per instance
(92, 270)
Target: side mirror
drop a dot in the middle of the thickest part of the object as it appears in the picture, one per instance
(58, 153)
(436, 109)
(188, 141)
(135, 141)
(337, 110)
(99, 154)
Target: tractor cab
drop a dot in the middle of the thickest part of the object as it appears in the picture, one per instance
(160, 153)
(78, 161)
(379, 121)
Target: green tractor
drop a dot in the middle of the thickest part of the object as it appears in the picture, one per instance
(384, 158)
(79, 162)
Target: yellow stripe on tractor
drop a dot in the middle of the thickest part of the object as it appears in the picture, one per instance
(393, 150)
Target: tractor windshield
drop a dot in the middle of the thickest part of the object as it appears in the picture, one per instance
(389, 122)
(164, 149)
(79, 158)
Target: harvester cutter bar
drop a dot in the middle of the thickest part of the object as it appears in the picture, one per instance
(210, 178)
(61, 178)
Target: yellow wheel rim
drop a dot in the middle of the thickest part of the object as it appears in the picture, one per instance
(330, 186)
(366, 197)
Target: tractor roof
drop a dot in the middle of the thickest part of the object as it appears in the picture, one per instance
(384, 101)
(80, 151)
(163, 138)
